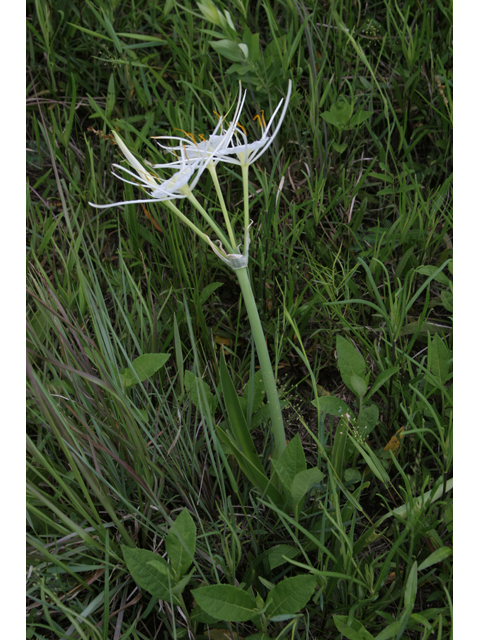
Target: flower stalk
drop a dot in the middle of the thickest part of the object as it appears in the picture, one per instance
(273, 400)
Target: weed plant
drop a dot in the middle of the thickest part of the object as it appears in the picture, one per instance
(140, 523)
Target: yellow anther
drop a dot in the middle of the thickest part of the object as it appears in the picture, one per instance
(259, 121)
(190, 135)
(202, 138)
(218, 115)
(242, 128)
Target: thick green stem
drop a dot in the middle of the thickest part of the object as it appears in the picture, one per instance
(265, 364)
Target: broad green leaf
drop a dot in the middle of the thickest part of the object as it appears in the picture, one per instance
(208, 290)
(291, 462)
(367, 420)
(354, 631)
(290, 595)
(303, 482)
(226, 602)
(339, 148)
(339, 114)
(429, 269)
(439, 358)
(437, 556)
(144, 367)
(350, 362)
(199, 615)
(352, 475)
(199, 390)
(180, 543)
(229, 50)
(150, 571)
(358, 385)
(331, 405)
(276, 555)
(360, 117)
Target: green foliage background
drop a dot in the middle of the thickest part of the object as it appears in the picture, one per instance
(351, 250)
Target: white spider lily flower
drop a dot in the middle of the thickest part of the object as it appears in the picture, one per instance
(207, 149)
(248, 152)
(232, 144)
(178, 186)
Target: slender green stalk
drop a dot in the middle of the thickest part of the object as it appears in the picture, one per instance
(213, 173)
(191, 198)
(265, 364)
(246, 213)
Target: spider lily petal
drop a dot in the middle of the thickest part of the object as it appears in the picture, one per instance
(247, 153)
(222, 147)
(210, 149)
(178, 186)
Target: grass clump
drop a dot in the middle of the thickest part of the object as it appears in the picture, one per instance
(141, 519)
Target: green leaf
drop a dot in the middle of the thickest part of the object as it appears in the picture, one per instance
(142, 368)
(331, 405)
(180, 543)
(150, 571)
(208, 290)
(418, 503)
(226, 602)
(358, 385)
(290, 595)
(303, 482)
(291, 462)
(199, 615)
(257, 477)
(360, 117)
(354, 631)
(229, 50)
(198, 389)
(429, 269)
(350, 362)
(352, 475)
(338, 451)
(339, 148)
(372, 461)
(237, 422)
(439, 358)
(276, 555)
(447, 300)
(437, 556)
(110, 96)
(253, 396)
(411, 588)
(339, 114)
(367, 420)
(380, 380)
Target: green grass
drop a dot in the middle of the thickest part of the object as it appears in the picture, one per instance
(352, 239)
